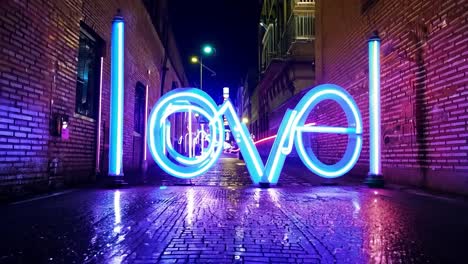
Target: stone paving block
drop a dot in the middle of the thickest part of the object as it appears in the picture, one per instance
(234, 223)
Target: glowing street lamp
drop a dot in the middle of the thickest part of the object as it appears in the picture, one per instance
(194, 59)
(245, 120)
(208, 49)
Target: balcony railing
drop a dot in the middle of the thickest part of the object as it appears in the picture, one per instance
(270, 44)
(303, 26)
(298, 29)
(301, 2)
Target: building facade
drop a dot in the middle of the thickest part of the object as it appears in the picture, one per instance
(286, 59)
(55, 87)
(424, 93)
(244, 95)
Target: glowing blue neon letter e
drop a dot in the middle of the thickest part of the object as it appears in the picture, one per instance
(116, 98)
(354, 130)
(375, 170)
(290, 133)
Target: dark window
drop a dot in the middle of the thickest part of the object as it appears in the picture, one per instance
(151, 7)
(367, 4)
(174, 85)
(178, 116)
(139, 113)
(87, 81)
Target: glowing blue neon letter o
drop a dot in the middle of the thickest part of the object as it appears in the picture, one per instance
(354, 130)
(184, 100)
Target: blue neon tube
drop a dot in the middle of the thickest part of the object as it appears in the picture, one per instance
(116, 102)
(375, 167)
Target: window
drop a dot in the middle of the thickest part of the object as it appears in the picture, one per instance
(178, 116)
(175, 85)
(367, 4)
(87, 81)
(139, 112)
(155, 9)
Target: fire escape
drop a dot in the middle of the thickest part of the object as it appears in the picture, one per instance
(286, 58)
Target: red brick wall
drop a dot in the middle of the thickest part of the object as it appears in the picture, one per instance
(38, 51)
(424, 83)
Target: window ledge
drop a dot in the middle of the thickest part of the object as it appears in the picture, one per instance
(83, 117)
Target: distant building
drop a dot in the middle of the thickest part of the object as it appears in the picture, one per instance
(244, 94)
(55, 57)
(286, 59)
(225, 93)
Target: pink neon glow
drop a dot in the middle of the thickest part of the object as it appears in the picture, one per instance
(274, 136)
(269, 138)
(146, 123)
(98, 144)
(264, 139)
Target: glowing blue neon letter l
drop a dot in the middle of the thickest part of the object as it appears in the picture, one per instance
(374, 178)
(116, 97)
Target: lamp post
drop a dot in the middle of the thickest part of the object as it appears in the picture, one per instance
(206, 50)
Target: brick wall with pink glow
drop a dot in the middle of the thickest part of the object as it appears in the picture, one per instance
(39, 42)
(424, 75)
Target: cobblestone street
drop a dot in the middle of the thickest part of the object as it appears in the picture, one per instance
(221, 218)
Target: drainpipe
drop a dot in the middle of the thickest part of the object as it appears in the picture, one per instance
(98, 125)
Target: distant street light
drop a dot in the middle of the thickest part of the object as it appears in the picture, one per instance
(206, 50)
(194, 59)
(245, 120)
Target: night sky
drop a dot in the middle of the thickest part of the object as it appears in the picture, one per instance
(231, 26)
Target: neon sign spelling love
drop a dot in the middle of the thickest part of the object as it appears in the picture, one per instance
(290, 133)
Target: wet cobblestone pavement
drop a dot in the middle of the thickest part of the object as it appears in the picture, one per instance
(223, 219)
